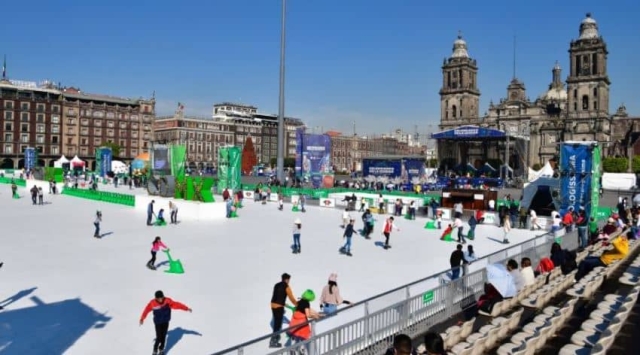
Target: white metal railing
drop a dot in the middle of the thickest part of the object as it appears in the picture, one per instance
(367, 327)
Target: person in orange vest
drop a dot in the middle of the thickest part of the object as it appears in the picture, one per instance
(388, 227)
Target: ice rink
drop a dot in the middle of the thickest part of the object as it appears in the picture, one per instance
(66, 292)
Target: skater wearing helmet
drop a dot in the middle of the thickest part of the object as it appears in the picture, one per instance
(297, 225)
(155, 246)
(299, 329)
(161, 307)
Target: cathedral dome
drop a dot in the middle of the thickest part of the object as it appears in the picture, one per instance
(460, 48)
(588, 28)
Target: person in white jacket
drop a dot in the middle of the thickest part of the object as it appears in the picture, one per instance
(527, 272)
(346, 218)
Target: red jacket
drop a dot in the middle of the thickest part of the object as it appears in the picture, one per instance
(162, 311)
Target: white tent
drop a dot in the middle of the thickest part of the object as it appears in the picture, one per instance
(119, 167)
(546, 171)
(77, 162)
(58, 163)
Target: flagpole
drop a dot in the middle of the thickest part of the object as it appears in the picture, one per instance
(281, 128)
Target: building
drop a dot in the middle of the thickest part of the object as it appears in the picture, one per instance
(65, 121)
(578, 111)
(230, 124)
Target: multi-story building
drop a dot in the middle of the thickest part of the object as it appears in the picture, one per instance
(30, 116)
(231, 124)
(90, 121)
(578, 112)
(65, 121)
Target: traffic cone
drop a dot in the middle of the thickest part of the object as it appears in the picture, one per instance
(175, 266)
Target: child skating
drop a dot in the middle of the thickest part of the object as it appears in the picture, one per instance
(389, 226)
(348, 233)
(155, 247)
(297, 226)
(96, 224)
(161, 307)
(280, 202)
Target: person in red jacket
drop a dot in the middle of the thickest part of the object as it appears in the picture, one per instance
(161, 307)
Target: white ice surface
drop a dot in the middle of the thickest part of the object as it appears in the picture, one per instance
(230, 265)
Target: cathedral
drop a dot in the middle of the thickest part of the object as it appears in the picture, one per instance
(574, 110)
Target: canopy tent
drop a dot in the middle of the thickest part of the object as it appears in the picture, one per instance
(469, 133)
(143, 156)
(545, 171)
(58, 163)
(77, 162)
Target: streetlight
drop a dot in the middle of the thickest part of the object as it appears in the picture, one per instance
(281, 139)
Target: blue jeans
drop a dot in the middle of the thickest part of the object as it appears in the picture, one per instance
(347, 245)
(97, 232)
(455, 273)
(588, 264)
(583, 240)
(329, 309)
(296, 241)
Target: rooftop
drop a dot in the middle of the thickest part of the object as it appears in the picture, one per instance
(227, 103)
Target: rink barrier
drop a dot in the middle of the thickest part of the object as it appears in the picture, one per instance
(324, 193)
(19, 182)
(368, 327)
(103, 196)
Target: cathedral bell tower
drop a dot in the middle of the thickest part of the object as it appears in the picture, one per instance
(459, 95)
(588, 84)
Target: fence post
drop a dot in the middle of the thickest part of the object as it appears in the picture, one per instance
(367, 321)
(449, 298)
(240, 351)
(407, 310)
(312, 344)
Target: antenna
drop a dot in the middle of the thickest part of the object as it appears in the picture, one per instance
(354, 128)
(514, 56)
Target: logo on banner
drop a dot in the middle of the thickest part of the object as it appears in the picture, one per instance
(573, 183)
(327, 202)
(466, 132)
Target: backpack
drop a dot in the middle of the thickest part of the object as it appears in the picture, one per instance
(545, 265)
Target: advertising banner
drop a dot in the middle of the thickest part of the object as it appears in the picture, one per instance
(316, 160)
(160, 160)
(299, 140)
(223, 168)
(235, 167)
(413, 168)
(30, 158)
(382, 167)
(575, 177)
(104, 164)
(596, 175)
(178, 157)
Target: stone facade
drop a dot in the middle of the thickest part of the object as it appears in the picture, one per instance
(577, 112)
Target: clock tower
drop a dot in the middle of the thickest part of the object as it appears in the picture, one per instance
(588, 85)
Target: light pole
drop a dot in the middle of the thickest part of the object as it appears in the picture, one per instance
(281, 128)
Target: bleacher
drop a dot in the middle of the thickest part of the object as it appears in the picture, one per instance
(557, 315)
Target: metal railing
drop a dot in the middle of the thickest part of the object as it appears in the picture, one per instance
(368, 327)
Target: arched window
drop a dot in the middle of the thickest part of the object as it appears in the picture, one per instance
(585, 102)
(595, 105)
(575, 93)
(454, 109)
(575, 106)
(595, 92)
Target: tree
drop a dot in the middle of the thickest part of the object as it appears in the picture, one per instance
(249, 158)
(615, 165)
(115, 148)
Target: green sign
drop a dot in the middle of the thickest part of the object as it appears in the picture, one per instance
(427, 297)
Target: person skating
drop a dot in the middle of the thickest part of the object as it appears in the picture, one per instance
(155, 247)
(96, 223)
(174, 212)
(161, 307)
(281, 291)
(34, 195)
(457, 223)
(297, 226)
(348, 233)
(150, 212)
(506, 224)
(160, 218)
(388, 227)
(346, 218)
(280, 202)
(303, 200)
(14, 189)
(330, 298)
(40, 196)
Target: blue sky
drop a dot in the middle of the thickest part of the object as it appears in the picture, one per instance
(370, 61)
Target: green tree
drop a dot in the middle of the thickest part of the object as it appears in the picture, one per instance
(115, 148)
(636, 164)
(615, 165)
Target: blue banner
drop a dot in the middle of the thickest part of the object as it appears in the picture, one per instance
(316, 159)
(469, 132)
(106, 156)
(299, 144)
(30, 158)
(412, 168)
(382, 167)
(575, 177)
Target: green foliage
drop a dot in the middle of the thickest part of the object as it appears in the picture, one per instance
(636, 164)
(536, 167)
(115, 148)
(615, 165)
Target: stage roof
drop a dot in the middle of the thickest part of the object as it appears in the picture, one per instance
(470, 133)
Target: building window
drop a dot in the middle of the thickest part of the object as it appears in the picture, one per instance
(8, 137)
(71, 121)
(24, 106)
(575, 106)
(8, 115)
(111, 115)
(24, 117)
(97, 141)
(595, 92)
(40, 139)
(40, 128)
(24, 138)
(98, 114)
(55, 119)
(585, 102)
(595, 105)
(24, 128)
(40, 117)
(55, 129)
(83, 141)
(55, 109)
(454, 110)
(54, 139)
(8, 105)
(55, 150)
(40, 107)
(97, 131)
(70, 130)
(71, 112)
(84, 122)
(8, 148)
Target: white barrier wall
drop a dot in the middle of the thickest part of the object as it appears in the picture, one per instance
(187, 210)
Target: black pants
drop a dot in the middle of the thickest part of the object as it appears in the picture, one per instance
(152, 262)
(387, 235)
(278, 315)
(161, 336)
(174, 216)
(149, 217)
(381, 208)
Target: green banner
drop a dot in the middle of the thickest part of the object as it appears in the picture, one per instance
(596, 174)
(223, 168)
(235, 166)
(178, 155)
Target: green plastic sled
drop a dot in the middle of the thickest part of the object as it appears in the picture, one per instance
(175, 266)
(430, 225)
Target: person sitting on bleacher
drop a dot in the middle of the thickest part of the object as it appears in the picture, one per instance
(401, 346)
(619, 251)
(512, 266)
(607, 230)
